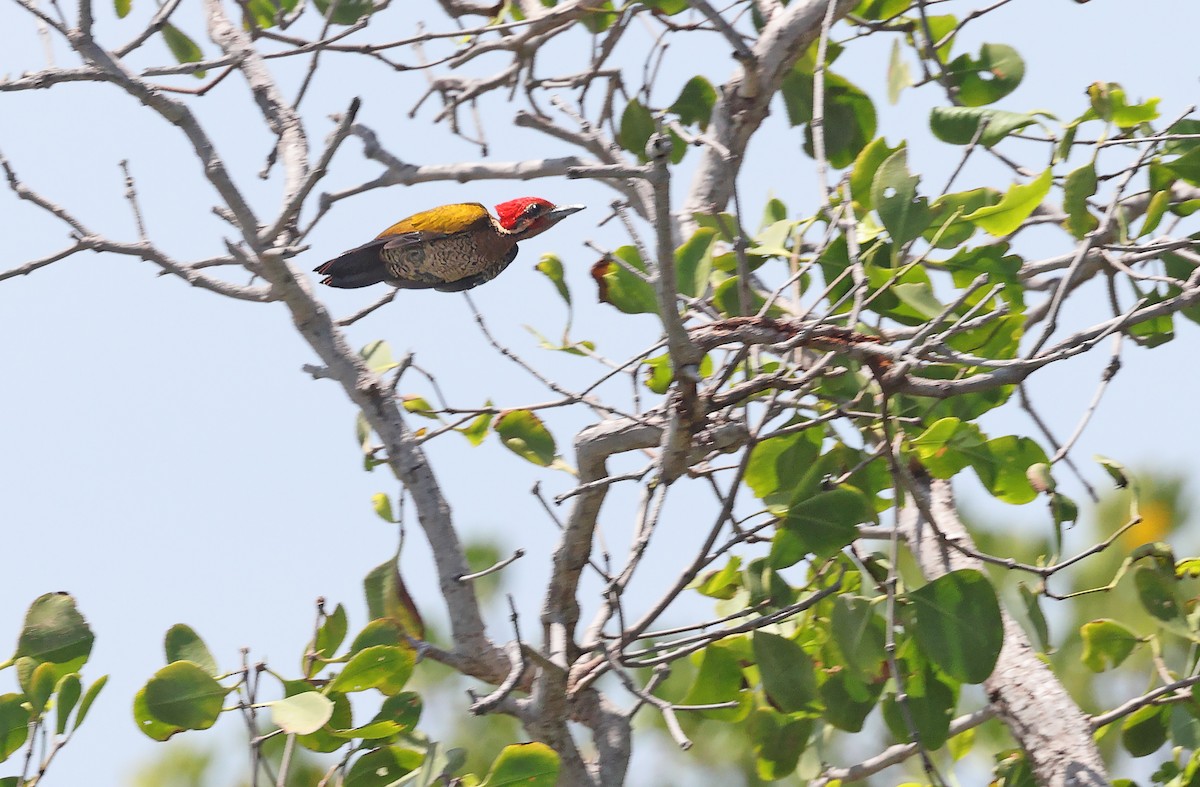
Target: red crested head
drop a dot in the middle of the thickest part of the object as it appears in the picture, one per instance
(528, 216)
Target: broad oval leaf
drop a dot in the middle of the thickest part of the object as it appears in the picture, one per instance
(14, 723)
(383, 667)
(960, 125)
(696, 101)
(1144, 731)
(148, 723)
(778, 740)
(718, 680)
(894, 194)
(1106, 644)
(819, 525)
(182, 643)
(301, 714)
(54, 631)
(958, 625)
(184, 695)
(527, 764)
(523, 433)
(637, 124)
(383, 767)
(787, 672)
(985, 79)
(347, 12)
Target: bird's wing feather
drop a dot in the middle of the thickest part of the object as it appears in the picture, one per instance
(446, 220)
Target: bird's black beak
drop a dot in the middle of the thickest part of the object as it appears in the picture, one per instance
(560, 213)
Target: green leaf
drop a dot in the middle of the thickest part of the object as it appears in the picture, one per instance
(388, 598)
(347, 12)
(930, 704)
(919, 297)
(949, 445)
(14, 723)
(766, 586)
(1017, 205)
(866, 164)
(1155, 212)
(860, 635)
(527, 764)
(719, 679)
(54, 631)
(787, 672)
(880, 10)
(383, 667)
(378, 356)
(383, 507)
(523, 433)
(382, 631)
(1033, 609)
(41, 686)
(183, 644)
(183, 48)
(1156, 591)
(1115, 470)
(850, 121)
(301, 714)
(637, 125)
(1144, 731)
(777, 465)
(848, 700)
(778, 741)
(1106, 644)
(67, 691)
(988, 78)
(123, 7)
(894, 194)
(148, 723)
(695, 103)
(659, 373)
(959, 125)
(418, 405)
(693, 263)
(382, 767)
(551, 266)
(88, 698)
(821, 525)
(948, 229)
(1004, 470)
(957, 624)
(330, 635)
(477, 430)
(183, 695)
(1186, 166)
(723, 584)
(623, 288)
(1080, 185)
(402, 710)
(898, 74)
(1110, 103)
(324, 739)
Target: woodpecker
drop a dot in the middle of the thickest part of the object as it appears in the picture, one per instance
(450, 249)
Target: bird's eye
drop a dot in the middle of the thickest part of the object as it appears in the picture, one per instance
(533, 210)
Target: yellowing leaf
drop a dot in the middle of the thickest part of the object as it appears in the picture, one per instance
(1018, 204)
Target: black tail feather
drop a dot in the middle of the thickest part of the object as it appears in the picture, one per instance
(359, 267)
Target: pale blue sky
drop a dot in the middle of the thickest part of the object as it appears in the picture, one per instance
(165, 460)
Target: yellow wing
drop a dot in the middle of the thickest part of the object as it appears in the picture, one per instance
(445, 220)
